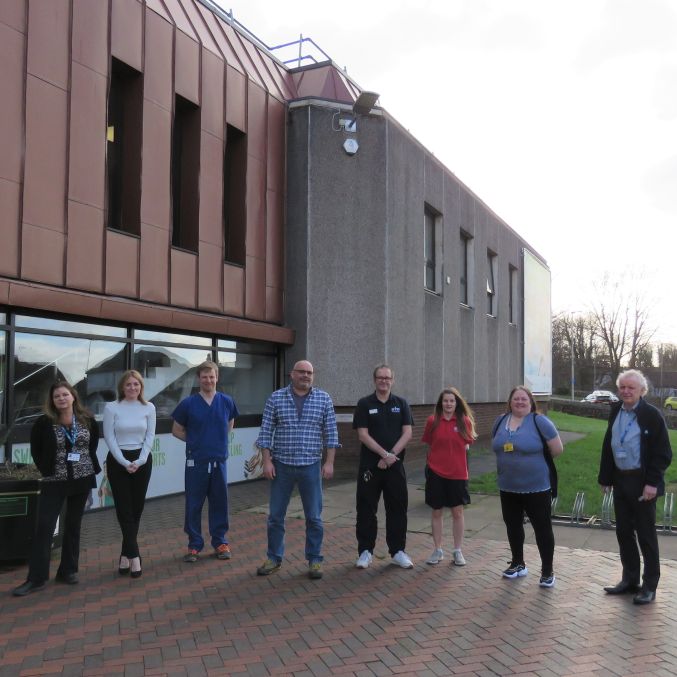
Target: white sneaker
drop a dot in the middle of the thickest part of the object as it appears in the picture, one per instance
(436, 557)
(364, 560)
(402, 560)
(459, 560)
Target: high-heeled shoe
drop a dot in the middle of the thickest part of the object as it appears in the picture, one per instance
(136, 574)
(123, 571)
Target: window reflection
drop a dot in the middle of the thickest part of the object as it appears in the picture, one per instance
(3, 372)
(249, 379)
(184, 339)
(64, 325)
(92, 367)
(169, 374)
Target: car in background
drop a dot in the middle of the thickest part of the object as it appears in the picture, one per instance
(601, 397)
(670, 403)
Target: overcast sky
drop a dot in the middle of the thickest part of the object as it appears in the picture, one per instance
(559, 115)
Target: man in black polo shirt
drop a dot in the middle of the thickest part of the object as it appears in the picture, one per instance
(384, 425)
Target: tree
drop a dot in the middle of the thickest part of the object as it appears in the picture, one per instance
(667, 356)
(621, 317)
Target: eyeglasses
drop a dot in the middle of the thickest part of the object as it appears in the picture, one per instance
(303, 372)
(383, 378)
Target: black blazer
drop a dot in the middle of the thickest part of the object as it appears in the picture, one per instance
(655, 451)
(43, 445)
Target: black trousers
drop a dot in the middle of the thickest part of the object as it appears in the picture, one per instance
(129, 494)
(49, 507)
(392, 483)
(636, 523)
(537, 507)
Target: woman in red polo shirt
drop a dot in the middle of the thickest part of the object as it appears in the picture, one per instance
(449, 432)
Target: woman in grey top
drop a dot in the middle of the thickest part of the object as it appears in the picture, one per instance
(129, 430)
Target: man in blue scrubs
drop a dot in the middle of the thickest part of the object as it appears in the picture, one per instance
(204, 422)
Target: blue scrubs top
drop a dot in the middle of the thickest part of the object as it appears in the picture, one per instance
(206, 426)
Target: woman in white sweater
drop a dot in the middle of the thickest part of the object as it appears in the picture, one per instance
(129, 430)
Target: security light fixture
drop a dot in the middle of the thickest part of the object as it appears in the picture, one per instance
(365, 103)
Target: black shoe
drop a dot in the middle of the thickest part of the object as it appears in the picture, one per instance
(68, 579)
(644, 596)
(123, 571)
(621, 588)
(27, 588)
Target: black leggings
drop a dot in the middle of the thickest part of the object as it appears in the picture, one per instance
(537, 508)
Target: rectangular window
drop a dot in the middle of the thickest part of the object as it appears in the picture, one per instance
(235, 195)
(491, 283)
(185, 174)
(466, 268)
(512, 297)
(123, 148)
(432, 249)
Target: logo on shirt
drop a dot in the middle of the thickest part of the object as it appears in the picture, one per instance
(373, 411)
(395, 410)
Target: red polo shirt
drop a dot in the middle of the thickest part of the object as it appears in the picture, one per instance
(447, 456)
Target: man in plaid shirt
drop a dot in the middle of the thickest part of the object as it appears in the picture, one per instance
(298, 422)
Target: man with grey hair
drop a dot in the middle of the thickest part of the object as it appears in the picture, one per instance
(635, 454)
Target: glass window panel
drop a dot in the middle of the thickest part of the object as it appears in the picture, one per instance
(3, 374)
(169, 374)
(3, 318)
(65, 325)
(91, 366)
(248, 346)
(183, 339)
(248, 379)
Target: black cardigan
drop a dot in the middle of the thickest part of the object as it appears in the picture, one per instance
(43, 445)
(655, 451)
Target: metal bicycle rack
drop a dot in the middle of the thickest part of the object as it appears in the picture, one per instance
(578, 508)
(667, 512)
(607, 510)
(553, 506)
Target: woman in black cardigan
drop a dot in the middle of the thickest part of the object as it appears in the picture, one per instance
(63, 446)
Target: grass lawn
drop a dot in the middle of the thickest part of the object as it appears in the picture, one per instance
(578, 466)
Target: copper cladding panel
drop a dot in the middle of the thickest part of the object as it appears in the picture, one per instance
(277, 119)
(236, 98)
(274, 304)
(233, 290)
(154, 266)
(11, 102)
(183, 278)
(275, 238)
(256, 208)
(13, 13)
(257, 117)
(84, 250)
(126, 32)
(211, 191)
(255, 288)
(187, 68)
(210, 283)
(155, 179)
(122, 264)
(42, 254)
(211, 117)
(48, 40)
(10, 197)
(87, 159)
(90, 34)
(45, 174)
(157, 81)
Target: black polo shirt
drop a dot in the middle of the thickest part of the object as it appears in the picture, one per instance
(383, 421)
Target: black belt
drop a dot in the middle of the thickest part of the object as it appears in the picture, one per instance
(634, 471)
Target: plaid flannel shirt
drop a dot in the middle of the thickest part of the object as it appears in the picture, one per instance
(293, 440)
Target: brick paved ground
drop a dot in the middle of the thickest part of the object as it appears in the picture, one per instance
(219, 618)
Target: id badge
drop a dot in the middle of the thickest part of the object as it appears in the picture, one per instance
(73, 457)
(190, 463)
(508, 446)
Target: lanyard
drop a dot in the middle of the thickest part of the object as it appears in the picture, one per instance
(633, 418)
(72, 432)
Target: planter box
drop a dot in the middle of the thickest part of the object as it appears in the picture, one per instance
(18, 512)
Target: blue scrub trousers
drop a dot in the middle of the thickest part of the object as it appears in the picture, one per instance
(206, 481)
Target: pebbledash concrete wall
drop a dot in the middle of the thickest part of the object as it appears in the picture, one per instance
(355, 266)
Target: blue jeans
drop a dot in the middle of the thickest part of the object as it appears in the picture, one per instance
(309, 482)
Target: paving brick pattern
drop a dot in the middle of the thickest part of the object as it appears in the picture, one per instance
(219, 618)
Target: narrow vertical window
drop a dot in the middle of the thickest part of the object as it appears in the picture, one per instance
(429, 250)
(185, 174)
(466, 269)
(235, 195)
(512, 295)
(491, 283)
(123, 148)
